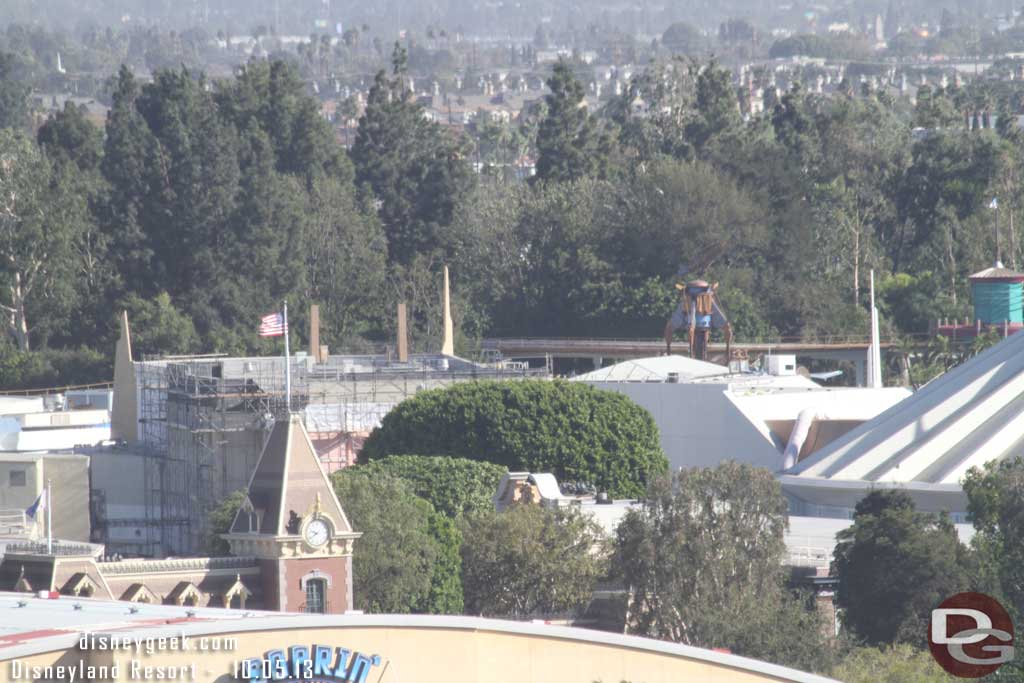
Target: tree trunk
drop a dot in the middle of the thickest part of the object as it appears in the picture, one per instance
(1013, 243)
(856, 267)
(952, 263)
(17, 323)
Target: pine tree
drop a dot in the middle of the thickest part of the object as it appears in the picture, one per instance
(68, 136)
(13, 94)
(416, 170)
(566, 138)
(127, 170)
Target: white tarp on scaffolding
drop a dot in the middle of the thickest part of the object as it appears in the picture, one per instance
(345, 417)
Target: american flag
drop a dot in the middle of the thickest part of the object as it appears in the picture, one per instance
(272, 325)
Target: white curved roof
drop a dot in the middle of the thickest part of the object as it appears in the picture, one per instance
(970, 415)
(653, 369)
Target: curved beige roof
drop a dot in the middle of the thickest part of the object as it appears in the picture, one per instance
(419, 648)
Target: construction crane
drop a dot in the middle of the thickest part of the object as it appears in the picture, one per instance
(699, 311)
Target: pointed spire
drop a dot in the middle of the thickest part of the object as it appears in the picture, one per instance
(124, 414)
(874, 359)
(288, 484)
(448, 345)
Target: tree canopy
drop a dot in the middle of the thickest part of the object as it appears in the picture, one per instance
(706, 546)
(529, 561)
(570, 429)
(452, 485)
(894, 566)
(407, 558)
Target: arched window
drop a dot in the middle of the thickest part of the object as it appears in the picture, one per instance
(316, 596)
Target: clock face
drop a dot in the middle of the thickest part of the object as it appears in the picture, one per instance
(317, 533)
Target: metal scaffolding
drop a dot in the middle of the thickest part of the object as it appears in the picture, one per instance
(204, 420)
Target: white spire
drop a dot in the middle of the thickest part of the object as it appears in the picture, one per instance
(874, 361)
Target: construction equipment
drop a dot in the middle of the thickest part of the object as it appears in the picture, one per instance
(698, 310)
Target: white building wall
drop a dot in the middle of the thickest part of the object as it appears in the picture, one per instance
(705, 423)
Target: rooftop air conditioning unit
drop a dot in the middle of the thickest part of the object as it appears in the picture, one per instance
(782, 365)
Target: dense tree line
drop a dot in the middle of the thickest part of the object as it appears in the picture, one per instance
(201, 205)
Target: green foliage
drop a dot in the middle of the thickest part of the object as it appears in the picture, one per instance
(13, 94)
(995, 495)
(415, 170)
(912, 301)
(716, 105)
(894, 565)
(685, 39)
(69, 136)
(159, 327)
(568, 145)
(839, 46)
(529, 561)
(405, 560)
(52, 368)
(445, 594)
(346, 260)
(572, 430)
(788, 210)
(706, 546)
(219, 521)
(897, 664)
(452, 485)
(43, 216)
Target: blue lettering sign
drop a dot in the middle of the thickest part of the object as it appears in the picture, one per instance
(322, 658)
(308, 664)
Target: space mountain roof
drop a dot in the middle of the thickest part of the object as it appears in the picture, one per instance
(972, 414)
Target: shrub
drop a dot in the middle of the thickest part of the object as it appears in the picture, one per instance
(570, 429)
(451, 485)
(408, 557)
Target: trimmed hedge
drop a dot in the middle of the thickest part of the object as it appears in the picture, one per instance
(576, 432)
(452, 485)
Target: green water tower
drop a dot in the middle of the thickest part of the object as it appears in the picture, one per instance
(998, 295)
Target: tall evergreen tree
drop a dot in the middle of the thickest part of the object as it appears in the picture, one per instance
(13, 94)
(68, 136)
(416, 170)
(193, 192)
(127, 169)
(566, 139)
(272, 96)
(75, 146)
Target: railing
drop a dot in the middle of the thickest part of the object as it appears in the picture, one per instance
(56, 390)
(179, 564)
(808, 556)
(326, 608)
(14, 523)
(569, 342)
(60, 549)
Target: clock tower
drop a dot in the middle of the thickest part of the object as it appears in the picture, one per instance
(292, 522)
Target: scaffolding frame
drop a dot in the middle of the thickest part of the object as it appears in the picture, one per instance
(202, 432)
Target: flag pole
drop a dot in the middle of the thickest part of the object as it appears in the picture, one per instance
(287, 366)
(49, 519)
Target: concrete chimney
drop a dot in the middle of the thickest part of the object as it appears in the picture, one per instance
(403, 335)
(314, 333)
(448, 345)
